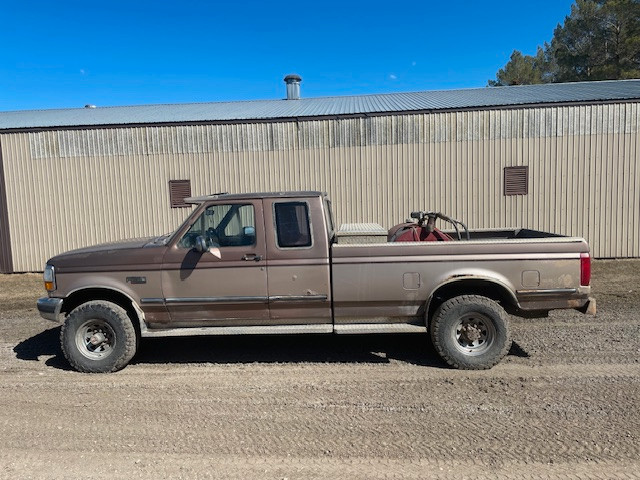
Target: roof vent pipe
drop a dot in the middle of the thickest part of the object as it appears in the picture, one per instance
(293, 86)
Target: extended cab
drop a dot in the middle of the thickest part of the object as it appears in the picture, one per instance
(273, 263)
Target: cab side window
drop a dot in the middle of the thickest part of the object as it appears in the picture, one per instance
(230, 225)
(292, 224)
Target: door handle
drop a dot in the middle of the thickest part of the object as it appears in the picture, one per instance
(252, 256)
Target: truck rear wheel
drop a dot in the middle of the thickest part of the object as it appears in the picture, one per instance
(471, 332)
(98, 337)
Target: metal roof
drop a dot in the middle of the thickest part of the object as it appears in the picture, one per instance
(325, 106)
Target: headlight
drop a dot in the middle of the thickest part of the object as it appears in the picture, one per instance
(49, 276)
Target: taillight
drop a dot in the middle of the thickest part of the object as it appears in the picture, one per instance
(585, 269)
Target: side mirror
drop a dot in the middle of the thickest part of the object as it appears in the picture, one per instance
(249, 231)
(201, 244)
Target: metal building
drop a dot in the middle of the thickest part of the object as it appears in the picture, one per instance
(74, 177)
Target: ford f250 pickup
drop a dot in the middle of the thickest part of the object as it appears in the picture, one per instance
(272, 263)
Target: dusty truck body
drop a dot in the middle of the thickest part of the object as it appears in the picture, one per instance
(272, 263)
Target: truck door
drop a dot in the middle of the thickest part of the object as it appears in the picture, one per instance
(226, 285)
(298, 261)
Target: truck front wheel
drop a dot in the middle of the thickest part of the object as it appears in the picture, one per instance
(471, 332)
(98, 337)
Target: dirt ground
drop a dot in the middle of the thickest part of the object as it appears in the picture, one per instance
(565, 402)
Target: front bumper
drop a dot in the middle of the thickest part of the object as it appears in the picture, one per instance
(50, 308)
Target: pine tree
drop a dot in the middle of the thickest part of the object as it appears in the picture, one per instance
(599, 40)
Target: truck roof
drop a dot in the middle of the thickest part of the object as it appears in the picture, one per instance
(251, 196)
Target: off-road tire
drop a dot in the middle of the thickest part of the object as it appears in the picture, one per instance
(471, 332)
(109, 326)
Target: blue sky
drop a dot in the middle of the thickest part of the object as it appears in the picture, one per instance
(65, 54)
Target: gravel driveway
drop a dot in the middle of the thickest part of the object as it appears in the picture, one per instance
(565, 402)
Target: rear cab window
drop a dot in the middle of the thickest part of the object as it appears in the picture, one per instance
(293, 229)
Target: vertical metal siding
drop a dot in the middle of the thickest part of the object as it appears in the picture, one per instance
(6, 258)
(71, 188)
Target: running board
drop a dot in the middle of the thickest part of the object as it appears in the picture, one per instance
(349, 328)
(257, 330)
(355, 328)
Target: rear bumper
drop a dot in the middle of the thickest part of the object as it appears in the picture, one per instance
(50, 308)
(555, 299)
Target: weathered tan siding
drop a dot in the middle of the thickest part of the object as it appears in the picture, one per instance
(71, 188)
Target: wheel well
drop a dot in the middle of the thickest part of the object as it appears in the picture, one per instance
(83, 296)
(480, 287)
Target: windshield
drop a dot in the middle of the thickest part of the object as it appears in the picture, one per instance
(166, 238)
(162, 239)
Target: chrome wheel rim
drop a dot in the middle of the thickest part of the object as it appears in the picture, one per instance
(95, 339)
(474, 333)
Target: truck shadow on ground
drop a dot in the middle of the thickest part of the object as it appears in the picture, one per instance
(410, 348)
(46, 343)
(377, 348)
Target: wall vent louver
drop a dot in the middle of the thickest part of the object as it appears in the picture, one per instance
(516, 180)
(178, 191)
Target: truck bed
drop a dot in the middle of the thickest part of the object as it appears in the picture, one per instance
(541, 270)
(368, 233)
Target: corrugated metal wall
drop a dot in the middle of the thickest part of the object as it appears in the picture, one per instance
(71, 188)
(6, 264)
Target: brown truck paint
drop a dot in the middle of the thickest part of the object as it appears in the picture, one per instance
(272, 263)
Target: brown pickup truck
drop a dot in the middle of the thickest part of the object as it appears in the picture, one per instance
(272, 263)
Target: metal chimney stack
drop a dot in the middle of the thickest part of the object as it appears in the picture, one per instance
(293, 86)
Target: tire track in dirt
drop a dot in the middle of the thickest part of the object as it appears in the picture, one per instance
(563, 405)
(125, 466)
(497, 417)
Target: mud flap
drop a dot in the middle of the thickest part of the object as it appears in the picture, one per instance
(588, 308)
